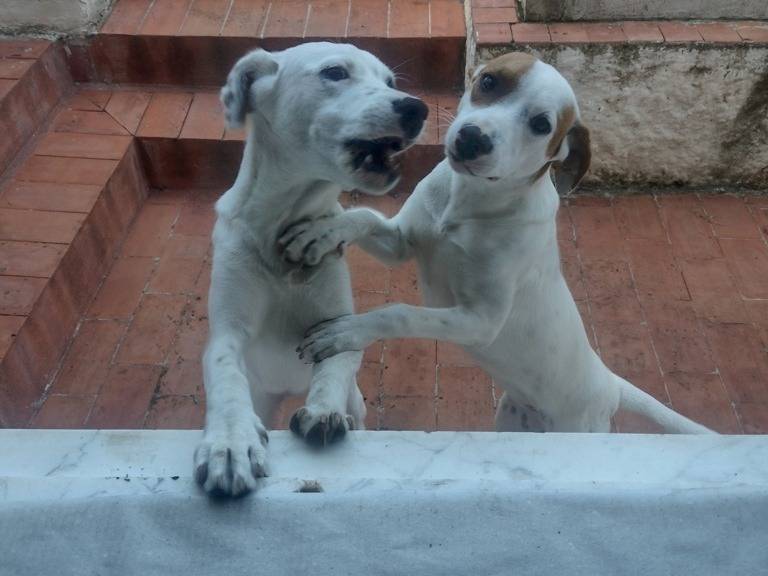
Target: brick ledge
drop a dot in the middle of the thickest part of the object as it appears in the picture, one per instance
(628, 32)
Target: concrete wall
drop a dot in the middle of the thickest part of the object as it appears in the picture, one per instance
(51, 17)
(549, 10)
(664, 115)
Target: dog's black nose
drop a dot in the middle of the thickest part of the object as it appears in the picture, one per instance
(471, 143)
(412, 112)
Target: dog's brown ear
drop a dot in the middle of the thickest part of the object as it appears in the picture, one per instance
(569, 172)
(236, 93)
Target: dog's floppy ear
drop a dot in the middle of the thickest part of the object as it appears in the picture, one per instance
(236, 94)
(569, 171)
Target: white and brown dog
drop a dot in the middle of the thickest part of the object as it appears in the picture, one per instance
(482, 229)
(322, 117)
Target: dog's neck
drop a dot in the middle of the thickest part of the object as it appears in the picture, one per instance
(273, 189)
(477, 198)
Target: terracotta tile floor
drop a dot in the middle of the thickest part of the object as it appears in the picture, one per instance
(673, 291)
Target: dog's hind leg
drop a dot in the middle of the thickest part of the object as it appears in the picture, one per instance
(515, 417)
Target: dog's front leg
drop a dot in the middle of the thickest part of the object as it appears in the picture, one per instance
(460, 325)
(331, 407)
(334, 403)
(309, 242)
(232, 454)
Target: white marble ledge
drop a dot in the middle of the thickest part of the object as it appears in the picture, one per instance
(540, 460)
(440, 504)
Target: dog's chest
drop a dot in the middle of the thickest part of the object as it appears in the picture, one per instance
(444, 257)
(470, 242)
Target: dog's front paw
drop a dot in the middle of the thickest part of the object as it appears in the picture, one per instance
(309, 242)
(332, 337)
(230, 460)
(320, 428)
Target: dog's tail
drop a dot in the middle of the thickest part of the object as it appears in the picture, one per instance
(635, 400)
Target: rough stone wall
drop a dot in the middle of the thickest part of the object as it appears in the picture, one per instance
(663, 115)
(554, 10)
(51, 17)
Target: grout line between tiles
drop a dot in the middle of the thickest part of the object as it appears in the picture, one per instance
(429, 19)
(226, 17)
(184, 20)
(349, 17)
(307, 16)
(267, 14)
(144, 16)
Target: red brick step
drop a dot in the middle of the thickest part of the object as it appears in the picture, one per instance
(195, 42)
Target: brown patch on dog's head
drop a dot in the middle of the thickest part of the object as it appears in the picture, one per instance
(505, 73)
(565, 120)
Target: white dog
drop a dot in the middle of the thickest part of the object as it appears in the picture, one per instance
(482, 229)
(321, 118)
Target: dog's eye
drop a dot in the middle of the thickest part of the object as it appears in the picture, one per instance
(334, 73)
(540, 125)
(487, 82)
(391, 82)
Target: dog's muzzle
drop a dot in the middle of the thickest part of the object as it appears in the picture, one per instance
(412, 113)
(378, 159)
(471, 143)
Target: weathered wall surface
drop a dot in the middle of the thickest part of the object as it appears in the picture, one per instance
(553, 10)
(51, 17)
(662, 115)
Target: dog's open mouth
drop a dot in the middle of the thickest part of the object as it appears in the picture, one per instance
(379, 156)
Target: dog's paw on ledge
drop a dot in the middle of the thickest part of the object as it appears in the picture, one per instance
(229, 464)
(321, 429)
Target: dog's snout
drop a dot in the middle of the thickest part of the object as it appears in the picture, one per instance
(412, 113)
(472, 143)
